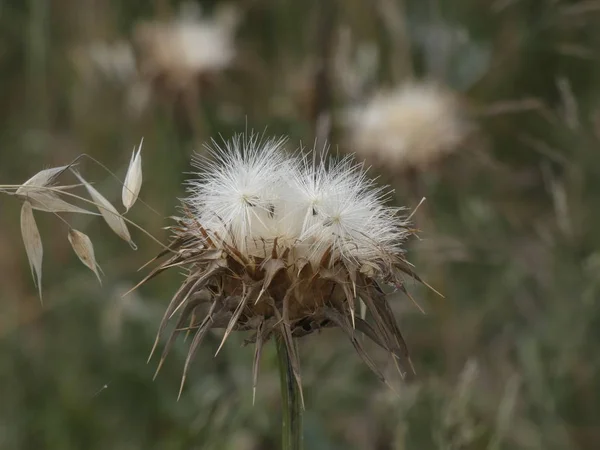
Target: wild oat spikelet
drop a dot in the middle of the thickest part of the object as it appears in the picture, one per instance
(284, 246)
(410, 127)
(42, 192)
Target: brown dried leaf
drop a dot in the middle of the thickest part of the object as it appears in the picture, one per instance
(33, 244)
(82, 245)
(111, 216)
(133, 179)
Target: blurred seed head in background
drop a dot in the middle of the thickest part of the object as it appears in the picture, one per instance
(412, 126)
(181, 50)
(165, 58)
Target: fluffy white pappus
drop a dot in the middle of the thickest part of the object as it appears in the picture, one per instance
(411, 126)
(236, 190)
(252, 194)
(336, 207)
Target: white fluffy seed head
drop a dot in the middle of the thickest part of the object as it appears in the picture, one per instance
(252, 195)
(411, 126)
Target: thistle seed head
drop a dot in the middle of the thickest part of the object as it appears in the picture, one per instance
(285, 245)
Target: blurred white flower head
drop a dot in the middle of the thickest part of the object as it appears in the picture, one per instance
(188, 46)
(412, 126)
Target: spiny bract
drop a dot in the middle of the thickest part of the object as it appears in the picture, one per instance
(283, 246)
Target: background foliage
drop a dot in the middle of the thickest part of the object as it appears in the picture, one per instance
(508, 360)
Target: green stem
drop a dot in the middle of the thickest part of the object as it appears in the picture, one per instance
(291, 403)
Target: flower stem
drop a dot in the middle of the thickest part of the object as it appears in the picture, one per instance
(291, 403)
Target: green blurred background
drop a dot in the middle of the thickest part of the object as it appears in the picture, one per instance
(509, 231)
